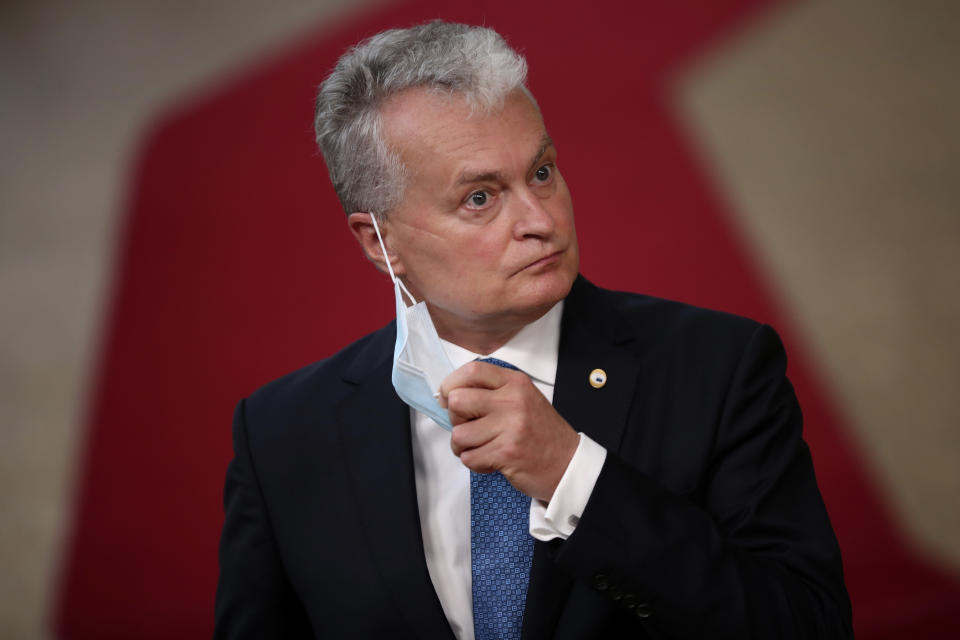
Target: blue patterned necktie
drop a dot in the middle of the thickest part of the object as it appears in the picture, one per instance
(501, 552)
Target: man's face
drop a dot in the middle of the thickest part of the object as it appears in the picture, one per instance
(485, 233)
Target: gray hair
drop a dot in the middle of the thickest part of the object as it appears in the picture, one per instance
(449, 58)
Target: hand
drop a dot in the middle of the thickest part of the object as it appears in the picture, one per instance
(503, 423)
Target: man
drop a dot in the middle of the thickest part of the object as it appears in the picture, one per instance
(654, 448)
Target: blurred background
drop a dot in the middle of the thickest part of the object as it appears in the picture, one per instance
(149, 277)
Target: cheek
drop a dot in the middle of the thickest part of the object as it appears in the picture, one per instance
(564, 206)
(471, 268)
(485, 253)
(453, 262)
(474, 277)
(473, 251)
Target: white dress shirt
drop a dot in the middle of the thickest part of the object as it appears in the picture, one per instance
(443, 483)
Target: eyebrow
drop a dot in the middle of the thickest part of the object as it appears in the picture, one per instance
(495, 176)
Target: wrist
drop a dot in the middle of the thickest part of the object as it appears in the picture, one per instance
(565, 455)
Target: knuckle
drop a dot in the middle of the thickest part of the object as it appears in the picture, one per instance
(453, 399)
(472, 368)
(456, 399)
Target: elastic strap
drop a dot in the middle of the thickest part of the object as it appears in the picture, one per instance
(383, 248)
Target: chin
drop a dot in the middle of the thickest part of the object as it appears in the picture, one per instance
(547, 291)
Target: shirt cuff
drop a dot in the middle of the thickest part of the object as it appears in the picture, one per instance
(559, 518)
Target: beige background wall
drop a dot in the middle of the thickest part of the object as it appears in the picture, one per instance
(831, 127)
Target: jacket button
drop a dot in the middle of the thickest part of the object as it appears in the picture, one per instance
(615, 594)
(600, 582)
(642, 610)
(629, 601)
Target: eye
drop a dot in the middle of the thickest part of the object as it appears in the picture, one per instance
(478, 199)
(544, 173)
(481, 202)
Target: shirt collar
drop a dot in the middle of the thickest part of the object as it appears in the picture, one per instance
(534, 350)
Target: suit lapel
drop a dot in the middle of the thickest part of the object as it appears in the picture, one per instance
(592, 336)
(376, 443)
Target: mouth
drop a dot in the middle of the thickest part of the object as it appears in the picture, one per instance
(545, 262)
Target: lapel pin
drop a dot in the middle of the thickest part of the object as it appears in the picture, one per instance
(598, 378)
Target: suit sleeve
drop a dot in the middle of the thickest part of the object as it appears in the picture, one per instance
(254, 598)
(752, 554)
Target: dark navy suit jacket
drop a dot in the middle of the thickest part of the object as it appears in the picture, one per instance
(706, 520)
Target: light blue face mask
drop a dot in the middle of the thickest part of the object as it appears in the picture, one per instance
(419, 362)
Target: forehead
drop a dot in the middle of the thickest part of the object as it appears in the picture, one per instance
(439, 134)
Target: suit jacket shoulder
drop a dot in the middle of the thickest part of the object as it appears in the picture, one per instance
(348, 365)
(656, 325)
(281, 409)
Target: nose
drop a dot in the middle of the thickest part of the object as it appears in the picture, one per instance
(533, 217)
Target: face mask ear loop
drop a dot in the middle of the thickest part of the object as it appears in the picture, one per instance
(403, 288)
(383, 248)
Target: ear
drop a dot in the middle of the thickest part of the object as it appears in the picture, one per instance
(361, 226)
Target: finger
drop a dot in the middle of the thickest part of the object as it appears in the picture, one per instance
(470, 403)
(471, 435)
(478, 459)
(475, 374)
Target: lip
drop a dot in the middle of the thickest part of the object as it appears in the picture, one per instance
(546, 261)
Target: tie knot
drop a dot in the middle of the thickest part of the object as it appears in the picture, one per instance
(499, 363)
